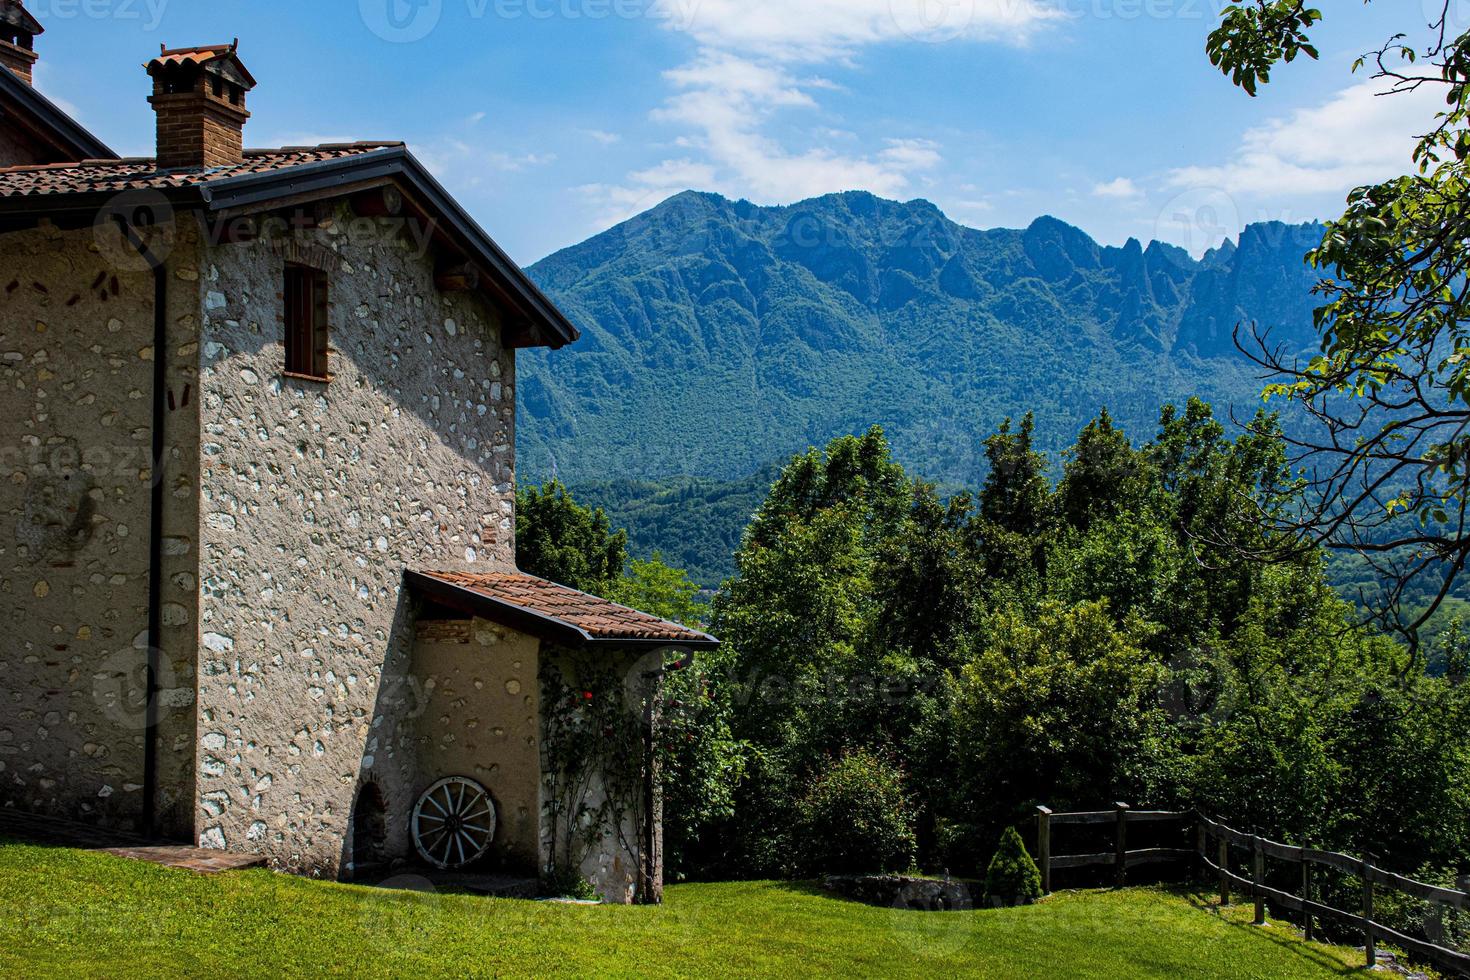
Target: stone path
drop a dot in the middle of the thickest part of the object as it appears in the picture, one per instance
(37, 829)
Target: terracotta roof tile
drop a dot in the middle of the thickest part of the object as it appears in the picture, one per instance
(200, 55)
(116, 176)
(598, 618)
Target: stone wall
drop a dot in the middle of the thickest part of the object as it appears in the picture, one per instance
(76, 377)
(316, 497)
(481, 719)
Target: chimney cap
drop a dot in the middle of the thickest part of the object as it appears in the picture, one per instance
(13, 14)
(222, 58)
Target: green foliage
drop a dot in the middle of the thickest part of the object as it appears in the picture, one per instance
(655, 588)
(1057, 706)
(1390, 387)
(1017, 494)
(856, 818)
(1112, 644)
(1012, 878)
(563, 882)
(695, 524)
(1255, 34)
(701, 764)
(1103, 476)
(560, 540)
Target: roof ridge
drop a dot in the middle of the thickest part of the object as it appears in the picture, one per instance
(94, 162)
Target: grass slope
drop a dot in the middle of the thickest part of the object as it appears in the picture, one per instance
(69, 913)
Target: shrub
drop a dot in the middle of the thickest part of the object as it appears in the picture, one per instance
(1013, 878)
(856, 818)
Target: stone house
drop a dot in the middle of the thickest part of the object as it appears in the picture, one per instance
(257, 563)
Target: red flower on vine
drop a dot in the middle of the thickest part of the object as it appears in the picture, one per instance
(586, 695)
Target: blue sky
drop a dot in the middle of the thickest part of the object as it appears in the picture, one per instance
(553, 119)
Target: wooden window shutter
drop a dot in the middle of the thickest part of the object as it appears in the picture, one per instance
(319, 338)
(306, 335)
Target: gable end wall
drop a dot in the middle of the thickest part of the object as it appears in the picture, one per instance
(316, 498)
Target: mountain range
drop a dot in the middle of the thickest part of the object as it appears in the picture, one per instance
(720, 337)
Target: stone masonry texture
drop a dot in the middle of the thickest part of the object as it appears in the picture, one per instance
(76, 365)
(315, 499)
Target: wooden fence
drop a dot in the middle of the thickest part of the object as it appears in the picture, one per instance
(1217, 861)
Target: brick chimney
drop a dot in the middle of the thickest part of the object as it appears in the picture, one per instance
(18, 30)
(199, 96)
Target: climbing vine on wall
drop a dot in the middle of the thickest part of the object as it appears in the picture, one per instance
(594, 761)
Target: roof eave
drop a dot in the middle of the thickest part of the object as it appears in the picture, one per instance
(396, 162)
(325, 176)
(532, 623)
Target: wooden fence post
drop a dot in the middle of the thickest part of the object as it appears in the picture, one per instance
(1370, 940)
(1043, 847)
(1258, 878)
(1224, 864)
(1306, 898)
(1434, 924)
(1201, 841)
(1120, 848)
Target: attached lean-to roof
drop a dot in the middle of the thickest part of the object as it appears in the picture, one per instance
(553, 612)
(83, 190)
(37, 114)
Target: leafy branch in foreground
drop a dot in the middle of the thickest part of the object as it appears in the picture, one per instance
(1385, 464)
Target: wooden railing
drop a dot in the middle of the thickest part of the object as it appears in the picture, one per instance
(1302, 902)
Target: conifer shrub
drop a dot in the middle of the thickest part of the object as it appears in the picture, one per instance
(1013, 878)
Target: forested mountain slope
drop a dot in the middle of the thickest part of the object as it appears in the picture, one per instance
(720, 336)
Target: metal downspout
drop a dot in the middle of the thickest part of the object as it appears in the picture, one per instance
(155, 525)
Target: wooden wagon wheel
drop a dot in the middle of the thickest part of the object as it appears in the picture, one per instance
(453, 823)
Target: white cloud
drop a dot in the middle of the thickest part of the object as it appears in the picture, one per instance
(465, 163)
(730, 102)
(1121, 189)
(969, 209)
(725, 103)
(602, 136)
(813, 30)
(1354, 138)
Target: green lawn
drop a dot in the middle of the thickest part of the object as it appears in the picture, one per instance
(68, 913)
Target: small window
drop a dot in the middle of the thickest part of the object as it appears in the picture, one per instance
(306, 322)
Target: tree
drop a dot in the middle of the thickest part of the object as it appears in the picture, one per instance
(932, 578)
(856, 817)
(560, 540)
(1388, 458)
(1103, 477)
(1058, 708)
(655, 588)
(1016, 494)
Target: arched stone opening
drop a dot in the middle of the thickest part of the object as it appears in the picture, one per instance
(369, 833)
